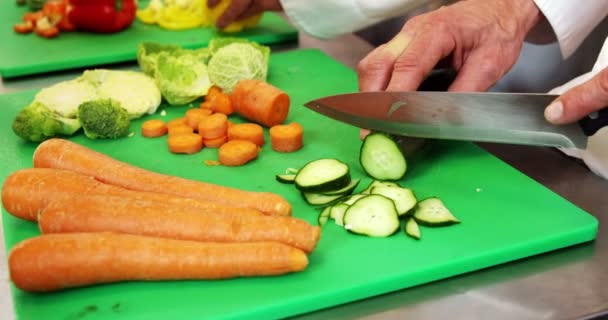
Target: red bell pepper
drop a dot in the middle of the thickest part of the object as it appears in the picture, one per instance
(103, 16)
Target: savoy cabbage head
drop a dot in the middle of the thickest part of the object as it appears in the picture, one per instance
(232, 61)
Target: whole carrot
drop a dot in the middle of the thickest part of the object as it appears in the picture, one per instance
(27, 191)
(58, 261)
(149, 218)
(64, 154)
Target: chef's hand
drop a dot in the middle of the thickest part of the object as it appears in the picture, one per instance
(481, 38)
(580, 101)
(241, 9)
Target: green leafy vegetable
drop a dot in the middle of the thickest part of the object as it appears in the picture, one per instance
(55, 110)
(104, 119)
(237, 60)
(181, 74)
(134, 91)
(182, 79)
(37, 123)
(64, 97)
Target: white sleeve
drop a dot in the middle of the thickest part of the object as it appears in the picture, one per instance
(572, 21)
(329, 18)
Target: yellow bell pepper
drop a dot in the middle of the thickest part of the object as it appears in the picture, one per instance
(215, 12)
(189, 14)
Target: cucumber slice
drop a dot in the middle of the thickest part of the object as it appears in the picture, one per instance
(322, 175)
(291, 171)
(404, 198)
(352, 199)
(378, 183)
(318, 199)
(433, 212)
(346, 190)
(337, 213)
(373, 215)
(285, 178)
(412, 229)
(381, 157)
(324, 216)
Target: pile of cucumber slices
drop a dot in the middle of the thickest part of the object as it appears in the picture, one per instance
(377, 210)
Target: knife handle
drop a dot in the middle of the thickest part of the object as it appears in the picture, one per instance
(594, 122)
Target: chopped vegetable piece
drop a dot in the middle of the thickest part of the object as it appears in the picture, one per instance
(238, 152)
(185, 143)
(287, 138)
(247, 131)
(260, 102)
(153, 128)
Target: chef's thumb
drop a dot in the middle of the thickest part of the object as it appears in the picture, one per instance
(580, 101)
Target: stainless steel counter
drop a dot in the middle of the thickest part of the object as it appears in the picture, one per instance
(566, 284)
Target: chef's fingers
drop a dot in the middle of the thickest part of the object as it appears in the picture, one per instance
(363, 133)
(234, 10)
(212, 3)
(480, 71)
(374, 71)
(580, 101)
(430, 44)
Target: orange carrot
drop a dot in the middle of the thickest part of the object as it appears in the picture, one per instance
(221, 103)
(26, 192)
(215, 143)
(64, 154)
(194, 116)
(260, 102)
(153, 128)
(188, 143)
(287, 137)
(97, 213)
(206, 105)
(212, 92)
(213, 126)
(81, 259)
(177, 130)
(238, 152)
(176, 122)
(247, 131)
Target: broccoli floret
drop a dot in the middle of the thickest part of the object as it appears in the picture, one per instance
(104, 119)
(37, 123)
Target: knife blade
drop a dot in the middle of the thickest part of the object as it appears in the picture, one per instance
(515, 118)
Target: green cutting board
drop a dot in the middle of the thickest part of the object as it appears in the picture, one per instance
(505, 216)
(29, 54)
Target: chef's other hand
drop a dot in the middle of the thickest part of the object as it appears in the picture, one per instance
(241, 9)
(482, 40)
(580, 101)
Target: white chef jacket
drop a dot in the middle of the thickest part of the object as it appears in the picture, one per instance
(571, 20)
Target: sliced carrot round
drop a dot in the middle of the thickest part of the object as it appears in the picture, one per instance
(153, 128)
(215, 143)
(176, 122)
(221, 103)
(237, 152)
(176, 130)
(195, 115)
(287, 137)
(212, 92)
(185, 143)
(213, 126)
(247, 131)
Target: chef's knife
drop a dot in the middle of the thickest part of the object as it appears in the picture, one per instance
(516, 118)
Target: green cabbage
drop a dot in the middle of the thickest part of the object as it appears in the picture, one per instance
(181, 79)
(232, 61)
(64, 97)
(134, 91)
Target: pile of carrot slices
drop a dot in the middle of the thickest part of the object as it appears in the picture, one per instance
(209, 125)
(111, 221)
